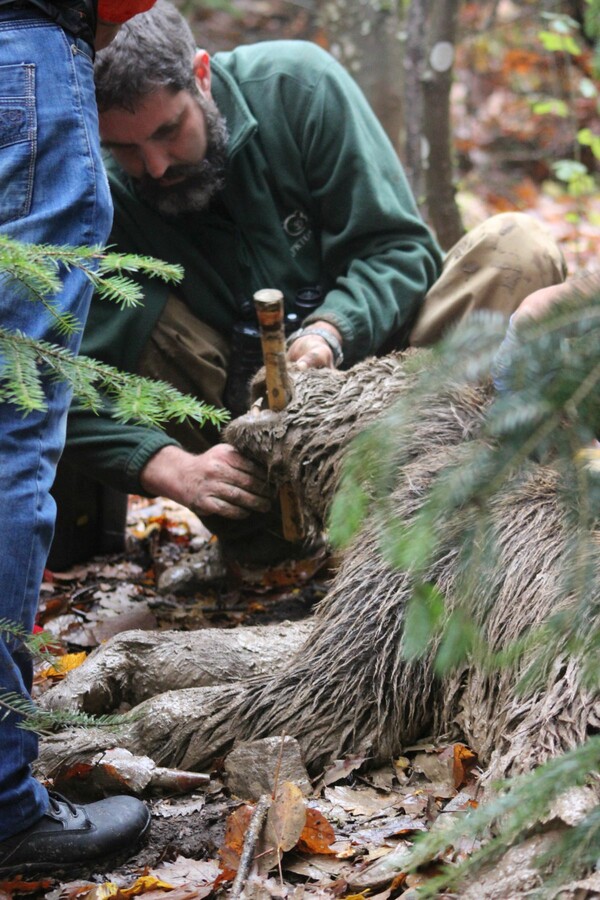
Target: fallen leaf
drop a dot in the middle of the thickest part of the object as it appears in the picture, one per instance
(63, 665)
(184, 872)
(341, 768)
(361, 802)
(317, 835)
(184, 892)
(285, 822)
(102, 891)
(384, 871)
(167, 808)
(462, 801)
(322, 869)
(23, 887)
(382, 779)
(380, 833)
(145, 883)
(463, 764)
(235, 832)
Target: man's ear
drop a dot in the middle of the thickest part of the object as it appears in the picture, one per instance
(202, 71)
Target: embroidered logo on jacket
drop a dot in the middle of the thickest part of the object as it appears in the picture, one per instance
(297, 226)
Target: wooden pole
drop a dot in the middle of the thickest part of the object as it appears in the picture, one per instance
(270, 313)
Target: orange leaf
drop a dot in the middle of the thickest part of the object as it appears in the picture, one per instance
(24, 887)
(317, 835)
(144, 884)
(464, 762)
(64, 664)
(230, 852)
(520, 62)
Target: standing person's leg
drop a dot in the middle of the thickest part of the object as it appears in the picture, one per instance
(54, 190)
(494, 266)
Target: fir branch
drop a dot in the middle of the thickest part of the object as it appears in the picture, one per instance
(122, 291)
(46, 722)
(134, 262)
(37, 645)
(35, 271)
(135, 398)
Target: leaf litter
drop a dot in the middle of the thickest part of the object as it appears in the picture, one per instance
(347, 837)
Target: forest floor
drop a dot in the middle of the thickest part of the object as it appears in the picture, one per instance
(342, 836)
(347, 823)
(352, 821)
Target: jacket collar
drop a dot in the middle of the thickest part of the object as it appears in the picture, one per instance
(231, 103)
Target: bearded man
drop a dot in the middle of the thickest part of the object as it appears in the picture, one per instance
(263, 167)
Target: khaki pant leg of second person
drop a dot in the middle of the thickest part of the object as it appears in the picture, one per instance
(495, 266)
(193, 357)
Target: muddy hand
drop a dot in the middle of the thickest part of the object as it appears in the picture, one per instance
(219, 482)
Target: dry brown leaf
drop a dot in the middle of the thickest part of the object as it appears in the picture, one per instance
(341, 768)
(382, 873)
(285, 822)
(73, 890)
(183, 871)
(317, 835)
(184, 892)
(464, 762)
(362, 802)
(235, 832)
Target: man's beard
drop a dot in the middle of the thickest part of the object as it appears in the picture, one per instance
(201, 180)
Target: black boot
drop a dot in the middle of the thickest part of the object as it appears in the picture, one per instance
(69, 836)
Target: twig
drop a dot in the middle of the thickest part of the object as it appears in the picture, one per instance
(250, 840)
(278, 767)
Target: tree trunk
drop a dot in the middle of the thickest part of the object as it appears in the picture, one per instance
(365, 39)
(403, 62)
(442, 210)
(414, 66)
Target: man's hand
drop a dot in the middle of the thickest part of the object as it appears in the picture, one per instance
(536, 304)
(105, 32)
(219, 482)
(311, 351)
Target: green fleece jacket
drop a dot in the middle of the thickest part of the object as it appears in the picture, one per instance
(314, 195)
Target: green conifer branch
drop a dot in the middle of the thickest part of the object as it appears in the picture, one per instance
(35, 273)
(39, 646)
(46, 722)
(27, 362)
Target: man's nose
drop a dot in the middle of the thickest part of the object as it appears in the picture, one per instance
(156, 161)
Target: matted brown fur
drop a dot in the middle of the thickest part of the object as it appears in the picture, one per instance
(349, 689)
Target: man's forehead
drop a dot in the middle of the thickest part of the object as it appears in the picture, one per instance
(161, 108)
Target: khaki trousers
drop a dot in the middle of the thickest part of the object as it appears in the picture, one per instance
(494, 266)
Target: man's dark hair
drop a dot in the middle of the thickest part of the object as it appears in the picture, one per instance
(153, 50)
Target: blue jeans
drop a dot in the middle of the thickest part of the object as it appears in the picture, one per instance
(52, 190)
